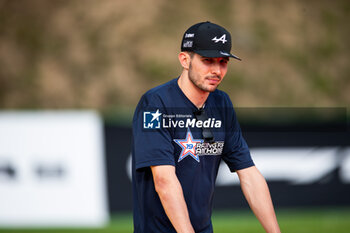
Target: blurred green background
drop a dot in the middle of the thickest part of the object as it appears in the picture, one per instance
(316, 220)
(105, 54)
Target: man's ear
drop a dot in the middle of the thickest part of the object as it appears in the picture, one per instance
(185, 60)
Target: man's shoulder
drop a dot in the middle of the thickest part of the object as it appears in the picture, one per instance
(159, 96)
(221, 98)
(220, 94)
(161, 90)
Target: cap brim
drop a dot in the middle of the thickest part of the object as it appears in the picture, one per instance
(216, 53)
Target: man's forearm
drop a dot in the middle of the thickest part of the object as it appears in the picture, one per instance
(257, 193)
(171, 196)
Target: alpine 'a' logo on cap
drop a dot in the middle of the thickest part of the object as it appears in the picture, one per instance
(222, 39)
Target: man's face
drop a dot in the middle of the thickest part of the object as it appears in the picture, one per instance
(206, 73)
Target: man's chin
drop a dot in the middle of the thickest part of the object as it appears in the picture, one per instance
(208, 88)
(211, 89)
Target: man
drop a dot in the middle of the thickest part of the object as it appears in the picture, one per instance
(181, 131)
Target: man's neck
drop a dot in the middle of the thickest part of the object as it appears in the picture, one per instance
(193, 93)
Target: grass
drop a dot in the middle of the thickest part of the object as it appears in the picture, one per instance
(311, 220)
(315, 220)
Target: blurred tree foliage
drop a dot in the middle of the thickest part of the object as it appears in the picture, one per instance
(105, 54)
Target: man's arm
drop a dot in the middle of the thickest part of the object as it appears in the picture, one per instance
(170, 193)
(257, 193)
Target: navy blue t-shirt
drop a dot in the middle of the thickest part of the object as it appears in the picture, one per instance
(167, 132)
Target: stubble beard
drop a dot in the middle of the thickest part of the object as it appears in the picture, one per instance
(196, 81)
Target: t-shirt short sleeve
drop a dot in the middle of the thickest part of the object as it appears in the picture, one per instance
(236, 152)
(151, 146)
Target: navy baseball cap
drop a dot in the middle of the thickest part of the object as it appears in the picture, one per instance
(208, 40)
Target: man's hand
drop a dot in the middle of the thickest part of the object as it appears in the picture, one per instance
(171, 195)
(257, 193)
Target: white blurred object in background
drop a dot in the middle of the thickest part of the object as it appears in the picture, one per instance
(296, 166)
(52, 170)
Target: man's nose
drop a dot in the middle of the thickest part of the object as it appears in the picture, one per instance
(216, 69)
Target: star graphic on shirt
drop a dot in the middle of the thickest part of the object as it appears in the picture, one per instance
(156, 115)
(188, 146)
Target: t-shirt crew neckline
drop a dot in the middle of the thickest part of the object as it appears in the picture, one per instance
(176, 84)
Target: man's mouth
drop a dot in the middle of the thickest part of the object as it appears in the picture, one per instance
(213, 79)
